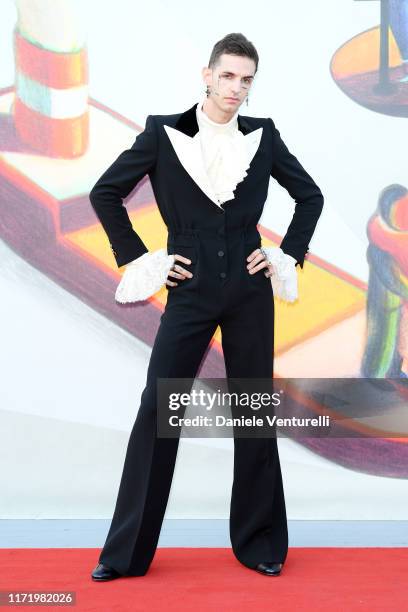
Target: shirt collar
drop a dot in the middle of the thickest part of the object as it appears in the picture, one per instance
(203, 119)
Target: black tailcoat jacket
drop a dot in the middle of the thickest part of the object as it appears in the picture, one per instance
(217, 239)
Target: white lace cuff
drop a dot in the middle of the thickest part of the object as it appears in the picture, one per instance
(284, 280)
(144, 276)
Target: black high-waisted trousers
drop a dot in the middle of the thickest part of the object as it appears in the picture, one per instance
(221, 292)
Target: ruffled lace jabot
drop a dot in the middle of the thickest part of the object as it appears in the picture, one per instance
(226, 157)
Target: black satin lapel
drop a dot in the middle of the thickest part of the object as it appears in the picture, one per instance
(187, 123)
(243, 125)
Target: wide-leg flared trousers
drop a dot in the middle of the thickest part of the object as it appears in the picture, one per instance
(243, 307)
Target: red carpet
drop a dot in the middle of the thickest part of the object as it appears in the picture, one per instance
(330, 579)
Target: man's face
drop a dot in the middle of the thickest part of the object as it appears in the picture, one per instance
(231, 79)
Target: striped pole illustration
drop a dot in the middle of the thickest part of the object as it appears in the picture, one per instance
(51, 112)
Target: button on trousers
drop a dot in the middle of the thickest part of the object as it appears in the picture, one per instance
(242, 305)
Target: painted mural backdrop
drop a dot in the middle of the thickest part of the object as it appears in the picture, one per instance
(56, 140)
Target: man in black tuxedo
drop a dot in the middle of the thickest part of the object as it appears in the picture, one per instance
(210, 169)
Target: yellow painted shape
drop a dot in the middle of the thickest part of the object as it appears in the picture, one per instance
(324, 299)
(361, 54)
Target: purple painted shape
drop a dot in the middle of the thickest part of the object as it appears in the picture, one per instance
(399, 24)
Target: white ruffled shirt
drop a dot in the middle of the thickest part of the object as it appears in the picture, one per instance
(224, 152)
(226, 161)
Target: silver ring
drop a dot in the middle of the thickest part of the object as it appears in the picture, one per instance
(263, 253)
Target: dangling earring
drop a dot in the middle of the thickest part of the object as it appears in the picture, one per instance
(247, 98)
(208, 91)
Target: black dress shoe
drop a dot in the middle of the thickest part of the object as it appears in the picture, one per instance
(269, 568)
(103, 572)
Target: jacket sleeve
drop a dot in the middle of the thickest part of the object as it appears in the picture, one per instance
(116, 183)
(291, 175)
